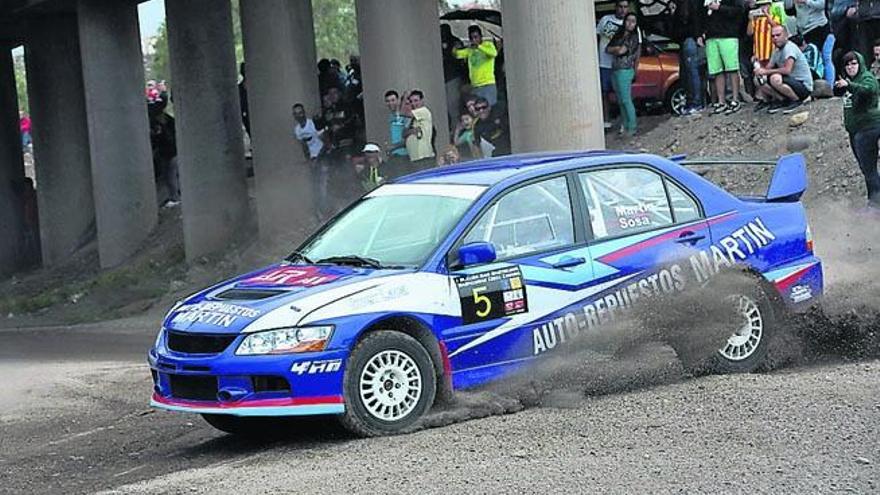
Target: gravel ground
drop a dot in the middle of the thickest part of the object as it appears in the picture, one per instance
(637, 424)
(800, 431)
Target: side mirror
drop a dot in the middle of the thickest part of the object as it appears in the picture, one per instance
(476, 253)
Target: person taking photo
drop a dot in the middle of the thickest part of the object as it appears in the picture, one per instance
(861, 117)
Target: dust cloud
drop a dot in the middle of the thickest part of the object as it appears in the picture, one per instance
(634, 352)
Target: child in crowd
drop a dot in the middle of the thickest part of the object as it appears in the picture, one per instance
(368, 167)
(450, 156)
(464, 136)
(813, 56)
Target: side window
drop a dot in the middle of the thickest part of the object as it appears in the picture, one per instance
(625, 201)
(683, 206)
(529, 219)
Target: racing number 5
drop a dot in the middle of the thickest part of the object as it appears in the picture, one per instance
(482, 299)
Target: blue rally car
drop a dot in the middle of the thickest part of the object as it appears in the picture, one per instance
(454, 277)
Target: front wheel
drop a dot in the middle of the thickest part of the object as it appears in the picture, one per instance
(389, 383)
(751, 324)
(676, 98)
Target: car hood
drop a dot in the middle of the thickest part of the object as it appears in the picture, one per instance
(235, 304)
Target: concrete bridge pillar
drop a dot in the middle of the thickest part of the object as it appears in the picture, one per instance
(400, 49)
(209, 136)
(552, 75)
(279, 47)
(11, 169)
(60, 134)
(122, 164)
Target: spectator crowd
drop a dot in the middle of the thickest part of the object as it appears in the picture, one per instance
(333, 138)
(775, 53)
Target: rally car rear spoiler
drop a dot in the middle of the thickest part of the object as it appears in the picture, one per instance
(789, 179)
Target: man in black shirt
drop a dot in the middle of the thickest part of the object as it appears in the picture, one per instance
(164, 146)
(491, 129)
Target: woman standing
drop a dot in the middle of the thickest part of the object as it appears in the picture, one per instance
(861, 117)
(626, 48)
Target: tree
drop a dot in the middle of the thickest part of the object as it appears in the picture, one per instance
(335, 36)
(335, 29)
(21, 83)
(158, 67)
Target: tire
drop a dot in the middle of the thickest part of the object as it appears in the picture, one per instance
(384, 364)
(747, 316)
(676, 98)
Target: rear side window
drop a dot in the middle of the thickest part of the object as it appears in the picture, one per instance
(533, 218)
(625, 201)
(684, 208)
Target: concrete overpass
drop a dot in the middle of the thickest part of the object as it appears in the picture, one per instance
(90, 129)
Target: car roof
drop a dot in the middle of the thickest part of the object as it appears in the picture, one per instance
(492, 171)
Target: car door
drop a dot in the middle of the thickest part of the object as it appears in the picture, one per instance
(644, 227)
(540, 250)
(649, 75)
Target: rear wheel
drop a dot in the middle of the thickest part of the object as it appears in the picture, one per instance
(389, 383)
(749, 317)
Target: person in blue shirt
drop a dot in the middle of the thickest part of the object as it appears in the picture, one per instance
(398, 122)
(813, 56)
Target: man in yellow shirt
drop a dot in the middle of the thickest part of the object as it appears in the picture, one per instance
(481, 64)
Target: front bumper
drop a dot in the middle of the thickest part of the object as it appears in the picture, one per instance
(270, 385)
(291, 406)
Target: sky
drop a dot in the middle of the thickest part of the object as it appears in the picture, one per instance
(151, 15)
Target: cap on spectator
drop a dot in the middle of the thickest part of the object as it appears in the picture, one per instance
(371, 148)
(763, 2)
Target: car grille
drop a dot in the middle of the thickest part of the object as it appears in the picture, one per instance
(270, 384)
(193, 387)
(198, 343)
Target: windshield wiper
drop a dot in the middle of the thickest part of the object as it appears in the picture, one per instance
(352, 259)
(297, 255)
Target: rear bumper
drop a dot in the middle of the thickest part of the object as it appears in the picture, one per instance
(799, 285)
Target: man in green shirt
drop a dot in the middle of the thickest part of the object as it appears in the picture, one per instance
(481, 64)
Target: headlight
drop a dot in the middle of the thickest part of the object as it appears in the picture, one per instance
(285, 340)
(158, 338)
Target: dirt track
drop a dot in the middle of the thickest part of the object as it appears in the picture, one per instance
(77, 424)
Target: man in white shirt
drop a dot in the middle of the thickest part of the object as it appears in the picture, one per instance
(608, 25)
(306, 133)
(310, 136)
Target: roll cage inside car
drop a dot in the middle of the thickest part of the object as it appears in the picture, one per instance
(580, 205)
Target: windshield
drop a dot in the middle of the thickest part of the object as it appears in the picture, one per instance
(398, 225)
